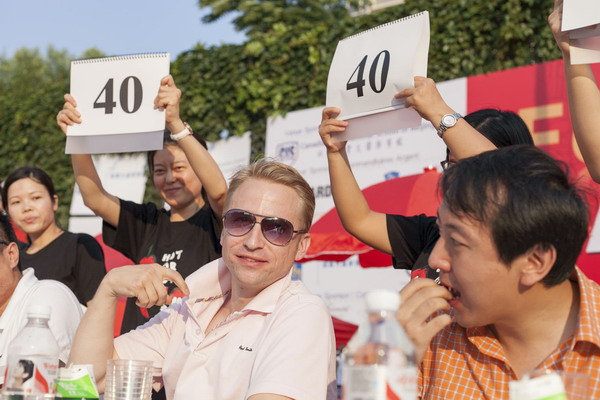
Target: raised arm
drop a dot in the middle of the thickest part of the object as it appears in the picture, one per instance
(93, 343)
(352, 207)
(584, 98)
(462, 139)
(102, 203)
(202, 163)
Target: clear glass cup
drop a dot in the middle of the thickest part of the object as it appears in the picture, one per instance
(128, 380)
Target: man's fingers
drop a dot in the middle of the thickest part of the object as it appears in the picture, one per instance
(177, 279)
(414, 286)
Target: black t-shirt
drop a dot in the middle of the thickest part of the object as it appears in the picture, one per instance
(75, 259)
(412, 240)
(146, 235)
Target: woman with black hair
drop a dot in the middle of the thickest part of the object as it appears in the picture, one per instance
(410, 239)
(75, 259)
(183, 238)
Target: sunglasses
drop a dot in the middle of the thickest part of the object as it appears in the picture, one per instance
(277, 231)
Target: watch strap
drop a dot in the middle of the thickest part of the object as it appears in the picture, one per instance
(187, 130)
(443, 127)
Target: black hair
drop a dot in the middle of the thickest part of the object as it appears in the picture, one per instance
(35, 173)
(7, 233)
(168, 141)
(526, 199)
(27, 368)
(502, 128)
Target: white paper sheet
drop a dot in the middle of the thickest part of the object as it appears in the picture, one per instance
(369, 68)
(585, 45)
(115, 96)
(580, 13)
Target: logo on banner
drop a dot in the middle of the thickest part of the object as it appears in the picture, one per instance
(288, 152)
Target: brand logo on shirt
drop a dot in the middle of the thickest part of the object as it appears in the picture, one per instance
(245, 348)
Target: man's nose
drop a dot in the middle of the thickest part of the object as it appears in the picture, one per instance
(255, 238)
(439, 258)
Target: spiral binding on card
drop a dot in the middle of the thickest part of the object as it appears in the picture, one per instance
(120, 58)
(386, 24)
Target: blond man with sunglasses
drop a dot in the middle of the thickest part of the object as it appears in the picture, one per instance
(246, 330)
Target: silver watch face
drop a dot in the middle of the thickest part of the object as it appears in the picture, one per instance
(449, 120)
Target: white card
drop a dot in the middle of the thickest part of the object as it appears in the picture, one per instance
(115, 96)
(585, 45)
(580, 13)
(369, 68)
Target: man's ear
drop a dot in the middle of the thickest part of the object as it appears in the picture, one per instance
(11, 251)
(303, 246)
(536, 264)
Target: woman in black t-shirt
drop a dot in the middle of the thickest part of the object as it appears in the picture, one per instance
(183, 238)
(74, 259)
(410, 239)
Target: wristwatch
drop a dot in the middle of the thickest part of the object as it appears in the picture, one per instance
(448, 121)
(187, 130)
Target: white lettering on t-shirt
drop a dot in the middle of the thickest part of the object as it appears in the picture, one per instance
(169, 260)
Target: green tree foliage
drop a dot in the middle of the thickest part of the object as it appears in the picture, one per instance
(281, 67)
(31, 93)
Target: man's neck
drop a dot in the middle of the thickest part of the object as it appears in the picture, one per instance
(548, 317)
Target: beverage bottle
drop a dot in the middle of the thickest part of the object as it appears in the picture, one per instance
(382, 365)
(32, 362)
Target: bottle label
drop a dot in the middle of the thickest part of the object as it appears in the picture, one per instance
(377, 382)
(31, 374)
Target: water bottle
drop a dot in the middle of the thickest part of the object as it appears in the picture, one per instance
(382, 366)
(32, 362)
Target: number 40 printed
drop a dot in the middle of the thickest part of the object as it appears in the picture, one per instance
(359, 72)
(108, 103)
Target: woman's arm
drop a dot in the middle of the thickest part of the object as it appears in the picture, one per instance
(355, 213)
(102, 203)
(462, 139)
(584, 98)
(202, 163)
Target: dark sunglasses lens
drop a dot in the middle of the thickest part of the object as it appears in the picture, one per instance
(278, 231)
(238, 223)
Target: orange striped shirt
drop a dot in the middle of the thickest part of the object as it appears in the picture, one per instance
(470, 363)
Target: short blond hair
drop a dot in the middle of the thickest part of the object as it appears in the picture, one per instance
(273, 171)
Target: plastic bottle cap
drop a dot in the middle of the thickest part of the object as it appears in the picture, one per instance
(39, 311)
(383, 299)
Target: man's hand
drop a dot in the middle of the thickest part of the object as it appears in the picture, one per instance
(426, 100)
(144, 282)
(329, 127)
(69, 114)
(420, 299)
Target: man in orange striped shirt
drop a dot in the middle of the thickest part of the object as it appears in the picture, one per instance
(511, 299)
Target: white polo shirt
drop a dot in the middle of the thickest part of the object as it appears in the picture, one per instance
(64, 318)
(282, 342)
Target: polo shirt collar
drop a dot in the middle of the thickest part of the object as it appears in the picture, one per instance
(213, 281)
(588, 326)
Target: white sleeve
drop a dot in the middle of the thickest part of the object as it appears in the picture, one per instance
(297, 356)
